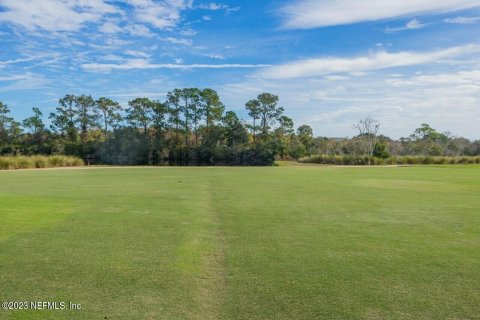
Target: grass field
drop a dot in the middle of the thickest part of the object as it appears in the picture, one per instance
(243, 243)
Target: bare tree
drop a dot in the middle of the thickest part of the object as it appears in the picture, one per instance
(368, 134)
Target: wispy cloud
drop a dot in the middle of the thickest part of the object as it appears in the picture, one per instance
(145, 64)
(161, 15)
(376, 61)
(55, 15)
(217, 6)
(305, 14)
(179, 41)
(411, 25)
(19, 60)
(463, 20)
(23, 81)
(138, 53)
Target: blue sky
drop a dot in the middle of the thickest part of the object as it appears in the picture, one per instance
(332, 62)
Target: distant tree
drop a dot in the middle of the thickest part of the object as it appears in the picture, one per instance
(425, 132)
(10, 132)
(284, 135)
(159, 122)
(285, 125)
(34, 123)
(426, 140)
(35, 140)
(186, 97)
(110, 113)
(235, 131)
(87, 116)
(159, 115)
(380, 150)
(64, 119)
(5, 121)
(14, 137)
(213, 109)
(305, 134)
(253, 107)
(297, 148)
(140, 114)
(368, 133)
(269, 112)
(173, 101)
(197, 111)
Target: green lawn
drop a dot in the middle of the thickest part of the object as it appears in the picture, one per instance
(243, 243)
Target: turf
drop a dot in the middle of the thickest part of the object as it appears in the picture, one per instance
(243, 243)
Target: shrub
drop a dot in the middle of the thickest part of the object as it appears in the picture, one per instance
(380, 150)
(404, 160)
(22, 162)
(40, 162)
(440, 160)
(7, 163)
(428, 160)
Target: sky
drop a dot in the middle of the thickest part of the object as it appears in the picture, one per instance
(331, 62)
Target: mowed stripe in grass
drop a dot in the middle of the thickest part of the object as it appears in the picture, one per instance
(245, 243)
(137, 244)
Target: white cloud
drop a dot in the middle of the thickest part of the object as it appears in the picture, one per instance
(377, 61)
(115, 42)
(13, 77)
(137, 53)
(216, 56)
(132, 64)
(217, 6)
(110, 27)
(113, 27)
(304, 14)
(336, 78)
(184, 42)
(112, 57)
(411, 25)
(188, 32)
(161, 15)
(74, 15)
(14, 61)
(470, 78)
(24, 81)
(463, 20)
(139, 30)
(55, 15)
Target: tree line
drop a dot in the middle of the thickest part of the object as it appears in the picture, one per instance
(424, 141)
(190, 127)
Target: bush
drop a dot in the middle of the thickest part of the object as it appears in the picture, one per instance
(56, 161)
(7, 163)
(40, 162)
(22, 162)
(404, 160)
(380, 151)
(440, 160)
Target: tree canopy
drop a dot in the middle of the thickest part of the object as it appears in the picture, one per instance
(192, 127)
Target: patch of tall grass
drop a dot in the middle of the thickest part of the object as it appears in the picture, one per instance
(401, 160)
(23, 162)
